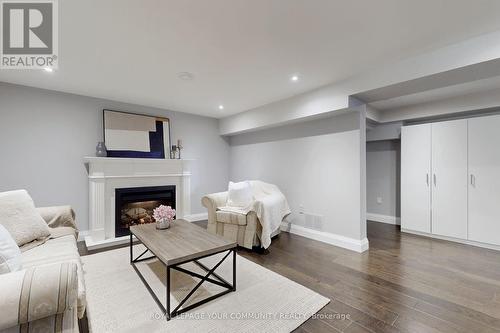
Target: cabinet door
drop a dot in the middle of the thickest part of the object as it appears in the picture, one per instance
(484, 179)
(449, 178)
(415, 178)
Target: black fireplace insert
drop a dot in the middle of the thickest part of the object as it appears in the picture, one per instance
(135, 205)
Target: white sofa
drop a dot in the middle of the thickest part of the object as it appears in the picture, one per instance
(48, 294)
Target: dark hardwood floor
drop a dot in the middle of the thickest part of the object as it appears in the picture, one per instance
(404, 283)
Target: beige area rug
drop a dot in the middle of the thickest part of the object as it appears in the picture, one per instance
(118, 301)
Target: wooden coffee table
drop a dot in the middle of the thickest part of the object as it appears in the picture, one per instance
(183, 242)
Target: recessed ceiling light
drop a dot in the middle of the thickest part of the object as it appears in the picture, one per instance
(186, 76)
(221, 107)
(48, 69)
(294, 78)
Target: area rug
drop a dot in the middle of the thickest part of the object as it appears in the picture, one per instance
(118, 301)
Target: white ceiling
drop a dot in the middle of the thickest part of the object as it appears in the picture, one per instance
(241, 52)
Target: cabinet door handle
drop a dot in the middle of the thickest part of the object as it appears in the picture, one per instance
(472, 180)
(435, 180)
(427, 179)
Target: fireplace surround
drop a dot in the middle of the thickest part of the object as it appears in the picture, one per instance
(107, 174)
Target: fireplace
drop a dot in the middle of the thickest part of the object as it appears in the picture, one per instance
(135, 205)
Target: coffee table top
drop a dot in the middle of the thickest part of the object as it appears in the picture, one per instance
(183, 241)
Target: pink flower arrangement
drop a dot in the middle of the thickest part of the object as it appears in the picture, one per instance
(163, 212)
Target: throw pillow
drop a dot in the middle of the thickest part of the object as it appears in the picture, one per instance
(19, 216)
(10, 255)
(239, 194)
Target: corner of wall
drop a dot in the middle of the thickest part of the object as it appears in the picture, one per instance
(362, 160)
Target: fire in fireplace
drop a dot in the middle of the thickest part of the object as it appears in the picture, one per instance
(135, 205)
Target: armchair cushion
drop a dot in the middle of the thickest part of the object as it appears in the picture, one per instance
(19, 216)
(239, 195)
(37, 293)
(231, 217)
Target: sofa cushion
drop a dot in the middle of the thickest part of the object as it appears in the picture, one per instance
(10, 255)
(19, 216)
(231, 217)
(58, 250)
(58, 216)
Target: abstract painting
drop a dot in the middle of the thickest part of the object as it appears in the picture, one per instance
(136, 135)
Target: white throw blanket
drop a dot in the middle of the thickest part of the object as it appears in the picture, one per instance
(270, 205)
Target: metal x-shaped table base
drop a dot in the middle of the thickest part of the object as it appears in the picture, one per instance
(217, 280)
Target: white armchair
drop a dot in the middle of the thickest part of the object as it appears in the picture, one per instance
(244, 229)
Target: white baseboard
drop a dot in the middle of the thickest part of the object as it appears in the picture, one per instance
(100, 244)
(326, 237)
(451, 239)
(196, 217)
(383, 218)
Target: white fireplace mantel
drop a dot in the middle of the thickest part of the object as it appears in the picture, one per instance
(106, 174)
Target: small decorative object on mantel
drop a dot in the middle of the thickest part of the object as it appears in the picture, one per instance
(164, 215)
(179, 147)
(176, 149)
(100, 150)
(173, 152)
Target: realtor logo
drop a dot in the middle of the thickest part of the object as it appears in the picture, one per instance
(29, 34)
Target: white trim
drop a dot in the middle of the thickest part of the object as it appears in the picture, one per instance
(185, 174)
(196, 217)
(82, 235)
(326, 237)
(451, 239)
(105, 175)
(100, 244)
(128, 160)
(383, 218)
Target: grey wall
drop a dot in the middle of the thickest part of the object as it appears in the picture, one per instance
(383, 177)
(378, 132)
(317, 166)
(45, 134)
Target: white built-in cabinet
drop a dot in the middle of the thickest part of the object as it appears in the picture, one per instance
(484, 180)
(416, 175)
(450, 179)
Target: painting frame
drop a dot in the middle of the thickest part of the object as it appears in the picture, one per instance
(159, 140)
